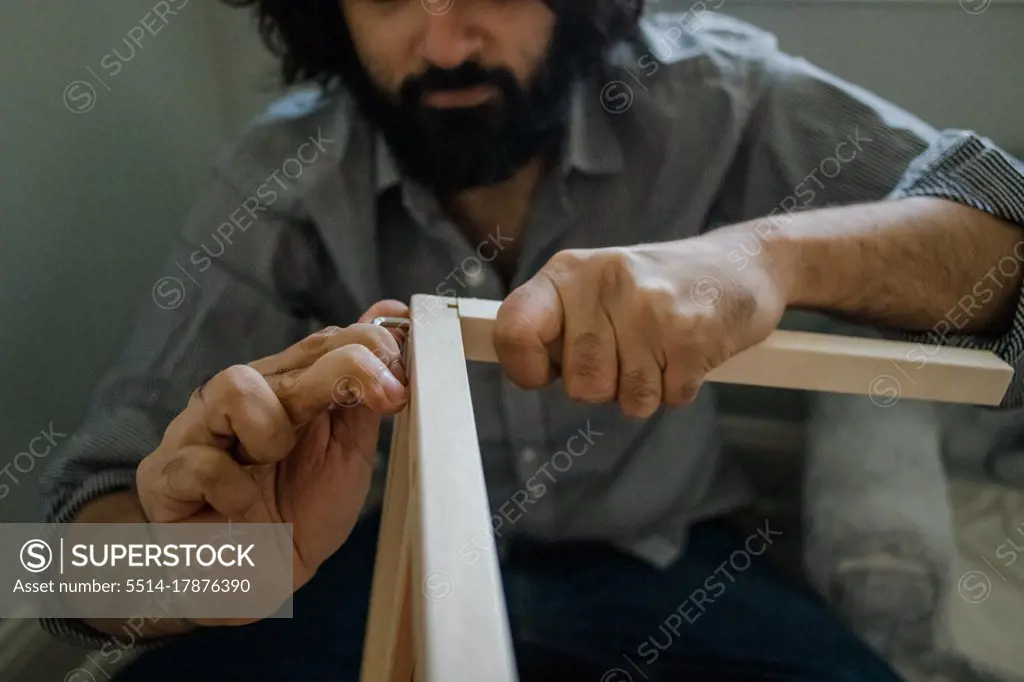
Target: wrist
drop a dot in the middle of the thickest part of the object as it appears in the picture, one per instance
(768, 246)
(785, 261)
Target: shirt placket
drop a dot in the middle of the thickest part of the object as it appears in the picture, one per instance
(524, 410)
(524, 423)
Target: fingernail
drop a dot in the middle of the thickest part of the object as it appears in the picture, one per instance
(393, 388)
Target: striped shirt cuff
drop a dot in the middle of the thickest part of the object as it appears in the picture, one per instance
(970, 170)
(93, 487)
(75, 631)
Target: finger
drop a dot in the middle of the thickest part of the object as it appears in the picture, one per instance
(385, 308)
(390, 308)
(239, 404)
(641, 362)
(680, 394)
(528, 321)
(200, 475)
(684, 373)
(346, 377)
(590, 363)
(304, 353)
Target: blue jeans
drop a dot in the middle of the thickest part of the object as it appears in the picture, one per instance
(578, 611)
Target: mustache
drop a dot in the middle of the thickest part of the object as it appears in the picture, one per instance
(466, 75)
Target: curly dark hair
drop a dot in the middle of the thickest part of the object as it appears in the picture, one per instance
(311, 36)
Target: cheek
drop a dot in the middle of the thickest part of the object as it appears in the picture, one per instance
(383, 40)
(526, 36)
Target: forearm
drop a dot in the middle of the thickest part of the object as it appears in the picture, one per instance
(124, 507)
(917, 264)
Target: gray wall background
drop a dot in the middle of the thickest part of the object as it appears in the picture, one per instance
(90, 199)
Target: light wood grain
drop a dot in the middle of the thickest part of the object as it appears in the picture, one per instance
(387, 647)
(462, 622)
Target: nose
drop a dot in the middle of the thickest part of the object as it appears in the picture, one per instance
(449, 35)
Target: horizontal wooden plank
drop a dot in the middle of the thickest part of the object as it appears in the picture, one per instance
(887, 370)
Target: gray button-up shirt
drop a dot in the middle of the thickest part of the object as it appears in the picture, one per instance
(307, 222)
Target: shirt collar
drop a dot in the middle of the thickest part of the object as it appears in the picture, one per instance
(590, 145)
(387, 169)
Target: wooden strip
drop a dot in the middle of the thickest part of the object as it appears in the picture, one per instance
(823, 362)
(463, 631)
(477, 318)
(388, 647)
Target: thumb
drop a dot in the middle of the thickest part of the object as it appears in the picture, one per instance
(528, 332)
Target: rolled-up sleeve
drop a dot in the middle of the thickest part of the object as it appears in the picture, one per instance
(969, 169)
(791, 161)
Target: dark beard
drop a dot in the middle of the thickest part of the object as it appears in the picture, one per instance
(450, 150)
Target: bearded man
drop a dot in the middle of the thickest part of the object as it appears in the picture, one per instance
(648, 194)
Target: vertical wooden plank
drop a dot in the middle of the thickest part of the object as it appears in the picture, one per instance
(388, 651)
(461, 620)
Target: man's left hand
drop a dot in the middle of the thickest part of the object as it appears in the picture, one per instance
(640, 325)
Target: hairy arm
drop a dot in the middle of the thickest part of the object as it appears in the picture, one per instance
(866, 212)
(916, 264)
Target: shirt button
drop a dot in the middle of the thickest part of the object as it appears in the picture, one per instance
(528, 455)
(475, 278)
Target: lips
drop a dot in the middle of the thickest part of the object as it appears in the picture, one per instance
(460, 97)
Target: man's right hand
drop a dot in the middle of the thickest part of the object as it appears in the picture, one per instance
(290, 438)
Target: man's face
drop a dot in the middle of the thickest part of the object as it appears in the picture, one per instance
(399, 39)
(464, 91)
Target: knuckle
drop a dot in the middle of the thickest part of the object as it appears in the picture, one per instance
(512, 335)
(565, 261)
(563, 257)
(615, 270)
(511, 329)
(321, 341)
(286, 385)
(355, 354)
(587, 349)
(641, 390)
(236, 383)
(171, 471)
(589, 375)
(588, 343)
(204, 468)
(384, 346)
